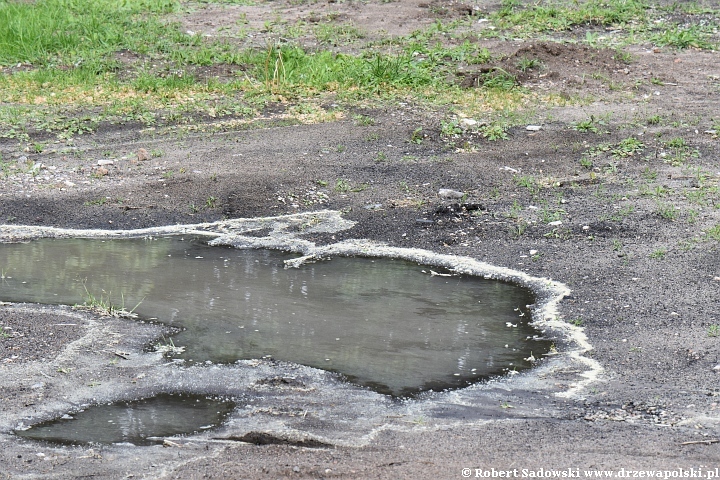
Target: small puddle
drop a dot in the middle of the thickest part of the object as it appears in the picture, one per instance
(382, 323)
(140, 422)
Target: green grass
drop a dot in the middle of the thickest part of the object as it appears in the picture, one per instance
(553, 16)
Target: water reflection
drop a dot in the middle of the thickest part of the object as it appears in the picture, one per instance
(381, 322)
(140, 422)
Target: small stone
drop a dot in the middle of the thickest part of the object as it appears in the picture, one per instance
(143, 155)
(533, 252)
(105, 162)
(533, 128)
(555, 223)
(296, 469)
(468, 123)
(717, 368)
(102, 171)
(450, 194)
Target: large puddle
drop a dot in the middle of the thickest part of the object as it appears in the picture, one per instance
(386, 324)
(140, 422)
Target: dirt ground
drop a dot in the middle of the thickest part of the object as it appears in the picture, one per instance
(634, 245)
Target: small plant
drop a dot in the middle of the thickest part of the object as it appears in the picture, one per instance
(658, 254)
(649, 174)
(577, 322)
(585, 162)
(417, 136)
(211, 202)
(628, 147)
(168, 174)
(380, 157)
(342, 186)
(713, 330)
(450, 128)
(668, 211)
(193, 208)
(525, 64)
(103, 305)
(589, 125)
(494, 132)
(616, 245)
(713, 233)
(38, 147)
(364, 120)
(653, 120)
(517, 230)
(4, 334)
(168, 348)
(506, 405)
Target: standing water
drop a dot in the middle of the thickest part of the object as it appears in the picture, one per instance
(383, 323)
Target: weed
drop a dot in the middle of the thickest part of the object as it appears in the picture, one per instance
(627, 147)
(713, 330)
(653, 120)
(668, 211)
(528, 182)
(525, 64)
(380, 157)
(168, 174)
(585, 162)
(3, 333)
(450, 128)
(193, 208)
(168, 348)
(517, 230)
(649, 174)
(683, 37)
(713, 233)
(494, 132)
(658, 254)
(97, 201)
(577, 322)
(589, 125)
(417, 136)
(104, 306)
(342, 186)
(211, 202)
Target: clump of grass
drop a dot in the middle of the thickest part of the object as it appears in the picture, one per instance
(588, 125)
(102, 305)
(683, 37)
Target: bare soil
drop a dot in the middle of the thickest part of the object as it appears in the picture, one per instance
(645, 282)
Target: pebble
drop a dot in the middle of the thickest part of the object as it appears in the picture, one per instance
(555, 223)
(143, 154)
(717, 368)
(102, 171)
(450, 194)
(468, 123)
(105, 162)
(533, 128)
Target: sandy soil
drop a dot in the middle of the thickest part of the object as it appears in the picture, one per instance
(644, 285)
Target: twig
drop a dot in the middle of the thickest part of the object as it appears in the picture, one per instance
(706, 442)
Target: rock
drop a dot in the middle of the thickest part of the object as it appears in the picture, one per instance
(105, 162)
(450, 194)
(466, 123)
(533, 128)
(143, 155)
(717, 368)
(102, 171)
(555, 223)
